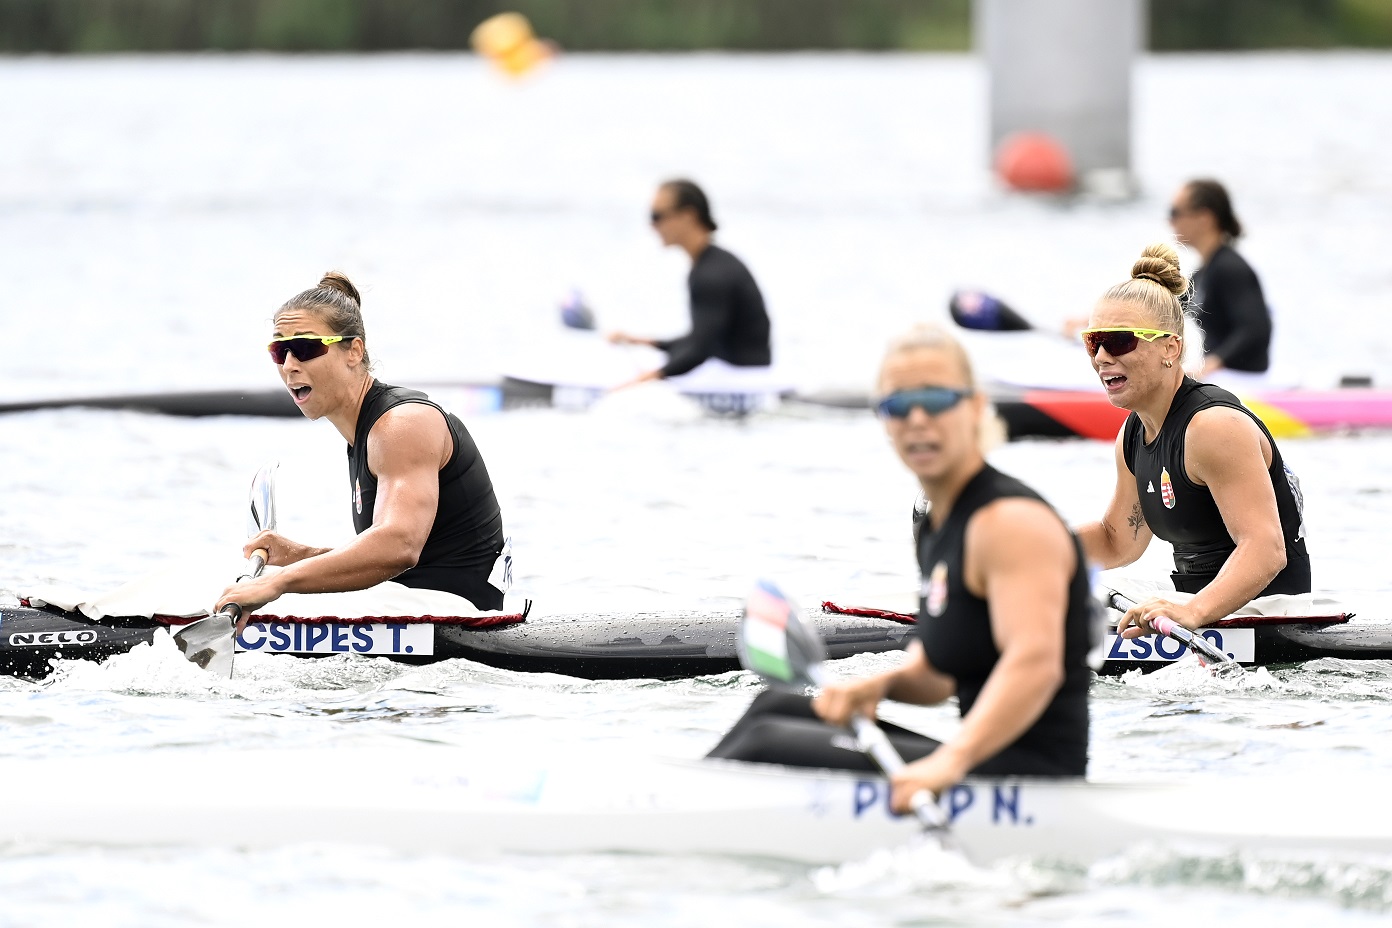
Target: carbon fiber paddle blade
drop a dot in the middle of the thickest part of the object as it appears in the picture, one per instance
(776, 642)
(262, 516)
(208, 643)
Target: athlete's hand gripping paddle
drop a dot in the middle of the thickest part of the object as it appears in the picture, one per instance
(211, 642)
(1200, 645)
(778, 644)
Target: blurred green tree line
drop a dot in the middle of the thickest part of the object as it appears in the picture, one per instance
(624, 25)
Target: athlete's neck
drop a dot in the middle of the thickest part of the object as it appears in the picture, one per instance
(942, 493)
(1207, 243)
(1153, 411)
(345, 418)
(696, 244)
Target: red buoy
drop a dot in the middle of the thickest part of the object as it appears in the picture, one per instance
(1034, 162)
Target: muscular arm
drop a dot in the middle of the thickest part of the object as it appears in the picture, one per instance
(1225, 451)
(712, 309)
(915, 681)
(1021, 559)
(919, 682)
(1122, 535)
(405, 449)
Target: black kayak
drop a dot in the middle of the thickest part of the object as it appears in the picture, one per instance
(1249, 640)
(653, 645)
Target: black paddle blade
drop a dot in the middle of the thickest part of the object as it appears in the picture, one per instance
(776, 642)
(972, 309)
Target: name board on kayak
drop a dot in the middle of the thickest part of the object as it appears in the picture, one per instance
(1238, 643)
(998, 803)
(389, 638)
(49, 639)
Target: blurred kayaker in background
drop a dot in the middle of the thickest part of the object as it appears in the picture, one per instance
(1227, 302)
(423, 505)
(1194, 466)
(728, 321)
(1003, 611)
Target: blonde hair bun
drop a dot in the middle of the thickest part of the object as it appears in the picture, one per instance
(1160, 264)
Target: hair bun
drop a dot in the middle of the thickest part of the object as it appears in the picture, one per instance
(1160, 264)
(335, 280)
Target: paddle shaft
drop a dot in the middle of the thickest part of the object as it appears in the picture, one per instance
(875, 743)
(1172, 629)
(258, 563)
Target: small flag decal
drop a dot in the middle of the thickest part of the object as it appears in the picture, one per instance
(1166, 489)
(766, 633)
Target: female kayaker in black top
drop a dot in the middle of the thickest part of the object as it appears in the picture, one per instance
(423, 505)
(1194, 466)
(1003, 618)
(728, 319)
(1228, 301)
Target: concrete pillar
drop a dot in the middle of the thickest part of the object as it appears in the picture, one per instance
(1064, 67)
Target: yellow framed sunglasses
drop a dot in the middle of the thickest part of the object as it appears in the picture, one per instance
(303, 347)
(1119, 341)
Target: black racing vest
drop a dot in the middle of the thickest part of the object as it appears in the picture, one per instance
(467, 535)
(955, 627)
(1185, 514)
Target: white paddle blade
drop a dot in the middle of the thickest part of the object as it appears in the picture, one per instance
(776, 642)
(262, 516)
(209, 643)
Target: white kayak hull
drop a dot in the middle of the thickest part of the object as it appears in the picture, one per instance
(437, 800)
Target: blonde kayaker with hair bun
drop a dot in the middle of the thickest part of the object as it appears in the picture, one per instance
(422, 502)
(1194, 466)
(1003, 614)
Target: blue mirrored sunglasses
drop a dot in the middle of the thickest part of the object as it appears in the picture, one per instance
(932, 400)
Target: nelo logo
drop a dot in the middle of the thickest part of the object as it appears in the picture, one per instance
(50, 639)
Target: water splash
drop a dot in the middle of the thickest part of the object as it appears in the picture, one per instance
(1364, 883)
(924, 865)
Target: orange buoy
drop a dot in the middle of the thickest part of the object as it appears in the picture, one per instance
(507, 40)
(1034, 162)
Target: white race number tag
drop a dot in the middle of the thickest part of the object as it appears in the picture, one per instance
(1238, 643)
(338, 638)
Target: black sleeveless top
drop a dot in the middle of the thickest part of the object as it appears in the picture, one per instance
(467, 535)
(1185, 514)
(955, 628)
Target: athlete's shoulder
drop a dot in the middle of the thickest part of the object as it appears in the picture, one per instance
(717, 260)
(1012, 528)
(1005, 486)
(1228, 263)
(1217, 431)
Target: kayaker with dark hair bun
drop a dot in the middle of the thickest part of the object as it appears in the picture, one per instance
(1228, 301)
(422, 502)
(1003, 614)
(729, 323)
(1194, 466)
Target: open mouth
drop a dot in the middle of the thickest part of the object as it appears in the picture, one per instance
(300, 393)
(922, 447)
(1113, 382)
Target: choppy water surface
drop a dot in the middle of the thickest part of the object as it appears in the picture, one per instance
(153, 213)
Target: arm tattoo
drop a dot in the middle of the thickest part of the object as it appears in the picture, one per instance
(1136, 520)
